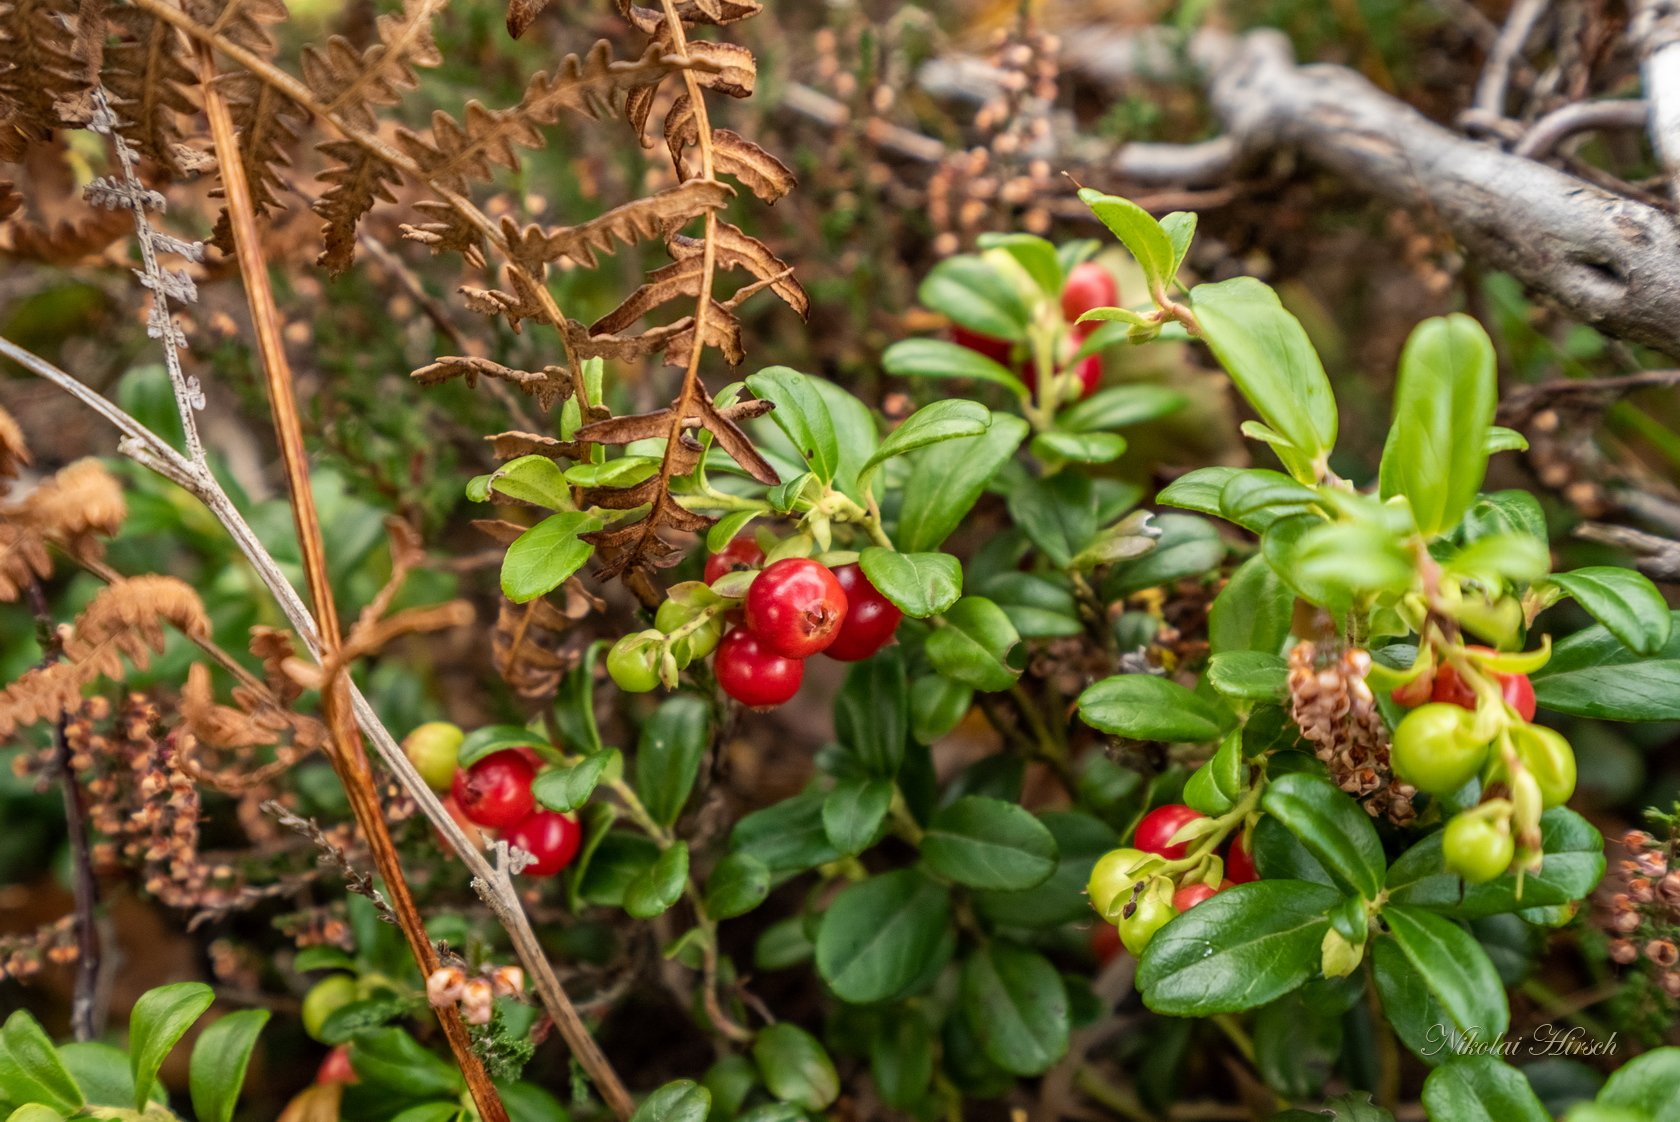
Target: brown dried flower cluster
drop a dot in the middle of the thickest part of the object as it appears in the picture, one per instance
(53, 944)
(1334, 706)
(450, 985)
(1643, 913)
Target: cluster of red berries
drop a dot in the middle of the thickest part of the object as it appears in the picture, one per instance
(1446, 686)
(495, 794)
(1135, 901)
(1088, 286)
(794, 608)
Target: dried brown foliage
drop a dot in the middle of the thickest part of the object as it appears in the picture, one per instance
(70, 509)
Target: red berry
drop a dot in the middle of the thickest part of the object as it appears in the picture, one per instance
(336, 1067)
(1519, 694)
(1105, 942)
(1088, 286)
(752, 674)
(998, 350)
(1090, 375)
(1190, 895)
(1516, 689)
(741, 553)
(552, 838)
(870, 619)
(496, 791)
(1155, 832)
(468, 826)
(796, 607)
(1415, 692)
(1239, 863)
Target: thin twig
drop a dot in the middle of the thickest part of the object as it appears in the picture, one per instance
(347, 754)
(1506, 51)
(1582, 116)
(85, 1014)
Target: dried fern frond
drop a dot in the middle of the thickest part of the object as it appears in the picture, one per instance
(40, 66)
(69, 241)
(268, 123)
(44, 693)
(714, 12)
(655, 216)
(75, 503)
(14, 450)
(23, 560)
(147, 74)
(548, 385)
(127, 617)
(528, 645)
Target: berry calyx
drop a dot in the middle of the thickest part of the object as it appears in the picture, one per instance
(336, 1067)
(1436, 750)
(325, 998)
(739, 555)
(496, 791)
(796, 607)
(1155, 832)
(1477, 849)
(431, 748)
(870, 619)
(549, 836)
(752, 674)
(1239, 863)
(1088, 286)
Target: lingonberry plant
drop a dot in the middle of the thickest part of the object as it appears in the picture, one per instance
(1259, 778)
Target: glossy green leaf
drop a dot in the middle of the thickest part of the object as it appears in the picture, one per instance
(1119, 406)
(540, 559)
(1058, 514)
(854, 814)
(973, 293)
(946, 480)
(568, 787)
(1296, 1047)
(490, 739)
(1214, 787)
(1253, 612)
(1198, 490)
(1138, 232)
(974, 645)
(219, 1060)
(159, 1019)
(931, 424)
(1016, 1006)
(1412, 1011)
(1334, 828)
(681, 1100)
(1456, 970)
(1257, 497)
(872, 712)
(1040, 606)
(1504, 512)
(1444, 400)
(1055, 446)
(738, 884)
(1080, 840)
(918, 584)
(727, 528)
(1648, 1083)
(1144, 707)
(787, 836)
(878, 935)
(653, 892)
(1249, 675)
(1268, 355)
(1634, 691)
(937, 705)
(802, 415)
(901, 1059)
(30, 1070)
(795, 1066)
(625, 471)
(1239, 949)
(937, 358)
(533, 479)
(1625, 602)
(668, 754)
(1187, 547)
(1480, 1089)
(989, 843)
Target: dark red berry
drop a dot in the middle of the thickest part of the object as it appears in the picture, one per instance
(741, 553)
(549, 836)
(1154, 833)
(752, 674)
(1105, 942)
(870, 619)
(1519, 694)
(998, 350)
(496, 791)
(796, 607)
(1516, 689)
(1088, 286)
(1239, 863)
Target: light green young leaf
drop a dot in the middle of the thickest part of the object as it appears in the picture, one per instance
(938, 358)
(918, 584)
(219, 1060)
(1138, 231)
(1034, 254)
(160, 1018)
(541, 558)
(931, 424)
(974, 294)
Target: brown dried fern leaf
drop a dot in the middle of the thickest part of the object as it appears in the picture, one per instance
(352, 85)
(222, 726)
(593, 84)
(655, 216)
(126, 618)
(359, 179)
(548, 385)
(267, 122)
(529, 643)
(67, 241)
(713, 12)
(765, 175)
(147, 75)
(40, 66)
(44, 693)
(14, 450)
(74, 504)
(512, 445)
(23, 559)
